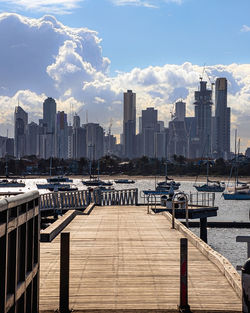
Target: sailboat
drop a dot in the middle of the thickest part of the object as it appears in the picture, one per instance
(57, 179)
(240, 190)
(95, 181)
(168, 182)
(210, 185)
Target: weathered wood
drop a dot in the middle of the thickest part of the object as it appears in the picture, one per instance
(125, 259)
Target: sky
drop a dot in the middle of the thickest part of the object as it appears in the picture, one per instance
(85, 54)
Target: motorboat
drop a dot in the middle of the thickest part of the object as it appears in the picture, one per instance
(11, 183)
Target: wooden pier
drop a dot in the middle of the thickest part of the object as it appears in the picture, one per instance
(125, 260)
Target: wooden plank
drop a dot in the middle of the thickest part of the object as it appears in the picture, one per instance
(125, 259)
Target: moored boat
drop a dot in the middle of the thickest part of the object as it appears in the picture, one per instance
(11, 183)
(124, 181)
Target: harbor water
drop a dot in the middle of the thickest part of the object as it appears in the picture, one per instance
(222, 240)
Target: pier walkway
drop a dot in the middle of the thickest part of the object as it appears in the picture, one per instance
(123, 259)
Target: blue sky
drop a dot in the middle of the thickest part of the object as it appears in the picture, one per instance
(86, 53)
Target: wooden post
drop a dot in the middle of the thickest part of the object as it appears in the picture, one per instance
(203, 229)
(173, 214)
(64, 272)
(184, 307)
(246, 287)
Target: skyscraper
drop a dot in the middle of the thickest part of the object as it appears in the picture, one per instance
(129, 123)
(21, 122)
(150, 126)
(203, 115)
(49, 114)
(222, 119)
(61, 135)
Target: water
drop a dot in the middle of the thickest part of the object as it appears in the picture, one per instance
(222, 240)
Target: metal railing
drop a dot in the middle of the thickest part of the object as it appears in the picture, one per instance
(202, 199)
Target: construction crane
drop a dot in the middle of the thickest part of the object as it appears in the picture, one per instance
(205, 72)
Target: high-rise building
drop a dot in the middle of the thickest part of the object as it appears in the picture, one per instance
(129, 123)
(6, 146)
(150, 126)
(32, 139)
(49, 114)
(203, 114)
(21, 122)
(180, 110)
(94, 141)
(222, 119)
(61, 135)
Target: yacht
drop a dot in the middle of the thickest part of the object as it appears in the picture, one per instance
(11, 183)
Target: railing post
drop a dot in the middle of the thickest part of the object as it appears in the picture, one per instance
(64, 272)
(173, 214)
(184, 307)
(246, 287)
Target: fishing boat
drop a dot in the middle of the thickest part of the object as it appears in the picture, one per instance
(124, 181)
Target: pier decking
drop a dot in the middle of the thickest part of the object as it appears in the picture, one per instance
(123, 259)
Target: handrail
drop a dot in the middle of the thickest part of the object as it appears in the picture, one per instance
(179, 202)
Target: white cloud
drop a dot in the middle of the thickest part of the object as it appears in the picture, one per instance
(245, 28)
(45, 6)
(144, 3)
(42, 57)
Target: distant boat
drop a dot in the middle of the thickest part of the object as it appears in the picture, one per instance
(11, 183)
(63, 187)
(52, 186)
(95, 181)
(210, 185)
(240, 190)
(124, 181)
(59, 179)
(168, 182)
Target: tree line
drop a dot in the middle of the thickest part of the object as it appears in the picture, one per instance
(112, 165)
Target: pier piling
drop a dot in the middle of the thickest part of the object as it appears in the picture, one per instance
(64, 272)
(184, 307)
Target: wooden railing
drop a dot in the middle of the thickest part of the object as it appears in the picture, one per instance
(79, 200)
(120, 197)
(68, 200)
(19, 253)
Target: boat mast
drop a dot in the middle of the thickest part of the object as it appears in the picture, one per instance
(6, 166)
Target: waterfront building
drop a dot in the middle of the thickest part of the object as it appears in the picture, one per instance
(203, 114)
(129, 123)
(20, 126)
(160, 149)
(180, 110)
(222, 119)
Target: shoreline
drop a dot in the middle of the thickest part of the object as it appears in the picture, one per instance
(201, 178)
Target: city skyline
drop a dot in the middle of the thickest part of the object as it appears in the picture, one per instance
(86, 63)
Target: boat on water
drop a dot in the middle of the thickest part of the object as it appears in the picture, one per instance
(95, 180)
(124, 181)
(238, 193)
(168, 182)
(59, 179)
(63, 187)
(240, 190)
(52, 186)
(7, 182)
(11, 183)
(210, 185)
